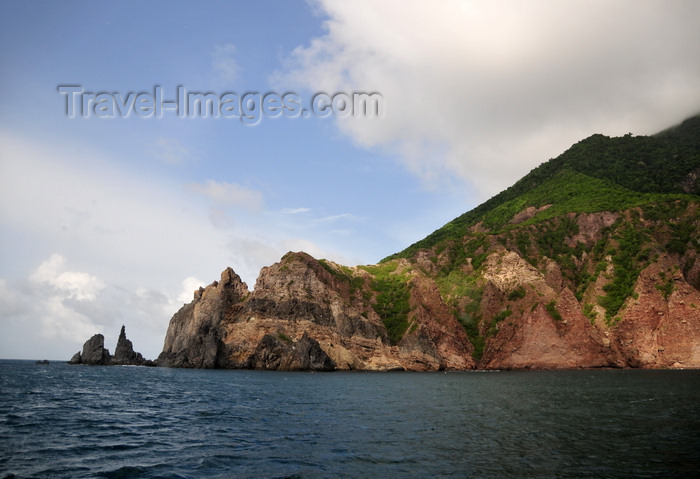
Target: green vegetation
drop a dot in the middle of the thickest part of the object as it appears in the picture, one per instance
(344, 274)
(392, 305)
(502, 315)
(551, 237)
(517, 293)
(551, 308)
(457, 286)
(284, 337)
(682, 234)
(667, 287)
(626, 270)
(589, 313)
(665, 210)
(471, 327)
(381, 269)
(522, 240)
(596, 174)
(391, 300)
(457, 254)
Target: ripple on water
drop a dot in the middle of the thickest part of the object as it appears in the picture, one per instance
(72, 422)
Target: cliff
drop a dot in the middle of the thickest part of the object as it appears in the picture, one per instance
(310, 314)
(589, 261)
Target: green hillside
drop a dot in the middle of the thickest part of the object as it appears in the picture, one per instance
(596, 174)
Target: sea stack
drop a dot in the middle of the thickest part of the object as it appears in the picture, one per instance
(94, 353)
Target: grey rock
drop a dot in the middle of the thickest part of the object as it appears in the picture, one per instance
(94, 351)
(280, 353)
(124, 353)
(194, 337)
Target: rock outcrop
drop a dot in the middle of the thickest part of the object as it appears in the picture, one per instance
(283, 354)
(503, 307)
(589, 261)
(311, 314)
(195, 337)
(124, 353)
(94, 353)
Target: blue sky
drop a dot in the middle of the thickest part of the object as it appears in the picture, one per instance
(111, 221)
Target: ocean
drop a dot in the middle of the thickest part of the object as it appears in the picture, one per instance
(62, 421)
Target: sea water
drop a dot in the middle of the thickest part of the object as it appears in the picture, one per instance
(66, 421)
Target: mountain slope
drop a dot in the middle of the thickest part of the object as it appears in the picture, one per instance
(590, 260)
(668, 162)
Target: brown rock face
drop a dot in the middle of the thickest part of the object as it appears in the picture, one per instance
(439, 341)
(658, 332)
(304, 315)
(194, 337)
(587, 290)
(538, 341)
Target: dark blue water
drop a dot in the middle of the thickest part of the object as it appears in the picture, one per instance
(74, 421)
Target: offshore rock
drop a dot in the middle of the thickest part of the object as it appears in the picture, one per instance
(76, 359)
(124, 353)
(94, 353)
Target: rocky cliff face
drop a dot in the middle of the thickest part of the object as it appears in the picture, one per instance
(588, 261)
(619, 293)
(579, 291)
(307, 314)
(195, 335)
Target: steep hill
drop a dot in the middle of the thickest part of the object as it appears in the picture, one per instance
(614, 174)
(590, 260)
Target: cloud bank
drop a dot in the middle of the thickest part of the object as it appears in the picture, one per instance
(103, 246)
(486, 90)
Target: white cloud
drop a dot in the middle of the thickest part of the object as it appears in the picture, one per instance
(222, 193)
(189, 286)
(224, 66)
(102, 247)
(485, 90)
(55, 305)
(171, 151)
(73, 284)
(332, 218)
(10, 301)
(125, 242)
(295, 211)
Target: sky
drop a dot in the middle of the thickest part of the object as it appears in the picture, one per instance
(115, 214)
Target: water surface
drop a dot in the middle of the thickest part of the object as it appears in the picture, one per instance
(68, 421)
